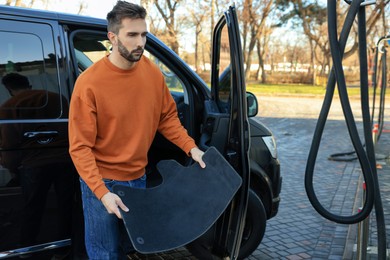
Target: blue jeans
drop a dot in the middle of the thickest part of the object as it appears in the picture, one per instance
(105, 235)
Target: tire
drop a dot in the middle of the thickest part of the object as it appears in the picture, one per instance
(255, 224)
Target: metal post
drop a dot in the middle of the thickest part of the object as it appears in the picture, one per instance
(364, 226)
(363, 230)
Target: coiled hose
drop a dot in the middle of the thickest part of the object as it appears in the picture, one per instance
(366, 157)
(351, 156)
(383, 66)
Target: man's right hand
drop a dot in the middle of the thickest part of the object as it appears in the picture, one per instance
(112, 202)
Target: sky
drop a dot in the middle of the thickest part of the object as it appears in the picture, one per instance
(100, 8)
(95, 8)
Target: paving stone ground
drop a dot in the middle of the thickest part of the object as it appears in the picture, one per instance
(298, 231)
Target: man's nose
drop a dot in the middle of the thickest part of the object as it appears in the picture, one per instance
(141, 40)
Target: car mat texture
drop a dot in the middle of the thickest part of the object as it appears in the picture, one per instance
(183, 207)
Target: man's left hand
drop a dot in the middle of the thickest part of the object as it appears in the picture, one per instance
(197, 155)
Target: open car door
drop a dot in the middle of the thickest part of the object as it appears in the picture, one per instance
(226, 127)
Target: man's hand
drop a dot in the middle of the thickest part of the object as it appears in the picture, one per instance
(196, 155)
(112, 202)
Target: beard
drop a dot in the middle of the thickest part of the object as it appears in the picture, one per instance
(129, 56)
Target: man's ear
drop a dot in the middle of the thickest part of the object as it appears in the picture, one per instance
(112, 37)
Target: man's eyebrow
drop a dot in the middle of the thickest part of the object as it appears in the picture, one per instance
(135, 33)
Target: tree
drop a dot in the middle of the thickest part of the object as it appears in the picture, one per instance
(82, 7)
(373, 16)
(311, 17)
(17, 2)
(262, 44)
(198, 13)
(254, 15)
(167, 10)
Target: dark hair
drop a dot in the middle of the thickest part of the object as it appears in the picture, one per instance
(15, 81)
(121, 10)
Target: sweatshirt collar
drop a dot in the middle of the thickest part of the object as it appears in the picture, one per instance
(117, 69)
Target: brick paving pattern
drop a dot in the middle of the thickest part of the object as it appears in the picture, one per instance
(298, 231)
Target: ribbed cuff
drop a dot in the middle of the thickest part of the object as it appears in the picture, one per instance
(101, 191)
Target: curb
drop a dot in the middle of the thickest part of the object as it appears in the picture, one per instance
(353, 228)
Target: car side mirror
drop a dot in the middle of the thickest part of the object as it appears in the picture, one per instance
(252, 104)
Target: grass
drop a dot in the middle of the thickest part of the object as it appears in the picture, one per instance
(296, 89)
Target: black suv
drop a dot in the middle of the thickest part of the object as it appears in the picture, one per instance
(40, 208)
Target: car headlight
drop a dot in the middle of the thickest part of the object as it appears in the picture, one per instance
(271, 145)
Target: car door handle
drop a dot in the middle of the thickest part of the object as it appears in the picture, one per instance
(41, 134)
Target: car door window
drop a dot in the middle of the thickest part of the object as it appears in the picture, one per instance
(173, 82)
(224, 80)
(91, 46)
(33, 138)
(29, 73)
(29, 90)
(228, 89)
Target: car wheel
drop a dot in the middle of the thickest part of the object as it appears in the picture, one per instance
(255, 224)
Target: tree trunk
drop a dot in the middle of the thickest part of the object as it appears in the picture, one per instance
(169, 19)
(312, 68)
(252, 44)
(261, 63)
(196, 47)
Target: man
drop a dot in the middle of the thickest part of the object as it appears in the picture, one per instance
(117, 106)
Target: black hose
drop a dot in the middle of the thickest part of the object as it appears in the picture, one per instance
(374, 85)
(351, 156)
(343, 157)
(366, 157)
(337, 49)
(370, 149)
(382, 64)
(381, 113)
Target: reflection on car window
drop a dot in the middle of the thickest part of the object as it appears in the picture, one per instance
(91, 47)
(172, 80)
(25, 71)
(224, 84)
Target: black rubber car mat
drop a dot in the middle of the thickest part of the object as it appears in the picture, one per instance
(183, 207)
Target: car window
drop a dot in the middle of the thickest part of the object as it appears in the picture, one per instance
(90, 47)
(33, 134)
(171, 79)
(224, 83)
(28, 77)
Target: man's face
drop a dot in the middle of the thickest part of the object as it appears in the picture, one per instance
(131, 39)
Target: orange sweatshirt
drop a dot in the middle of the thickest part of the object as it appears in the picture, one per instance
(113, 118)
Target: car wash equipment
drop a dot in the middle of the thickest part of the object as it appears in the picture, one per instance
(377, 121)
(366, 156)
(381, 66)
